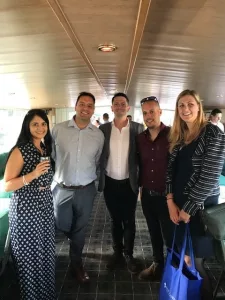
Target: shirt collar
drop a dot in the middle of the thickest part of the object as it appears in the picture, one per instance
(72, 123)
(162, 126)
(128, 123)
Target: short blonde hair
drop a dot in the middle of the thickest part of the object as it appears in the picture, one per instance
(179, 130)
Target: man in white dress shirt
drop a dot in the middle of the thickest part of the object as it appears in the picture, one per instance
(119, 180)
(215, 118)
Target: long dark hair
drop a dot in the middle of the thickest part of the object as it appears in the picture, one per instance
(25, 135)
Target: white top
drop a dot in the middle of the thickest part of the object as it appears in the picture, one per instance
(117, 166)
(221, 126)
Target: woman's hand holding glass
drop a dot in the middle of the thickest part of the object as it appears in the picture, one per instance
(41, 168)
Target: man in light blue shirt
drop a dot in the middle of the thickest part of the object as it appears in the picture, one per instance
(76, 149)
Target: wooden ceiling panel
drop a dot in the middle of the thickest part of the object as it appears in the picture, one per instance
(182, 47)
(37, 58)
(97, 22)
(48, 50)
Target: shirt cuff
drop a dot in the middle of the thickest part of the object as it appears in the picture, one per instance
(190, 208)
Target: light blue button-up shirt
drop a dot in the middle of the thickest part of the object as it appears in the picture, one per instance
(76, 152)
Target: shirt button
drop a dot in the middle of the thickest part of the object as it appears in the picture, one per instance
(152, 170)
(152, 159)
(152, 148)
(152, 181)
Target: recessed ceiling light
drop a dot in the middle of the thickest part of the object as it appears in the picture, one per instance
(107, 47)
(113, 92)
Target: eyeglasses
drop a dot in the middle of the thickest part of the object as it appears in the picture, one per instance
(151, 98)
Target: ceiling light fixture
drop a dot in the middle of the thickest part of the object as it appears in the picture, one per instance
(107, 47)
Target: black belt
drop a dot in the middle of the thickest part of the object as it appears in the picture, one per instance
(74, 187)
(154, 193)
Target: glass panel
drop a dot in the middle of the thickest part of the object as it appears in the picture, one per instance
(10, 126)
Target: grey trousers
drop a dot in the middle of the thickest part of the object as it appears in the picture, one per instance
(72, 212)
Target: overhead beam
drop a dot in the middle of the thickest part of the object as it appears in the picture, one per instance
(143, 10)
(60, 15)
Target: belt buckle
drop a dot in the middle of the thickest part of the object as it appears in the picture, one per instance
(153, 193)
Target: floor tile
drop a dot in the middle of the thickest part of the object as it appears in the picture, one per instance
(104, 285)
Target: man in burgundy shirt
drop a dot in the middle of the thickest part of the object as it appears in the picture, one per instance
(153, 154)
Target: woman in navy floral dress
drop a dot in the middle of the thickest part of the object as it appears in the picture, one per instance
(31, 217)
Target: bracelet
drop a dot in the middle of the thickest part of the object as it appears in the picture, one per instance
(169, 199)
(24, 181)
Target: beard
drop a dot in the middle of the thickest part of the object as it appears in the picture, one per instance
(151, 125)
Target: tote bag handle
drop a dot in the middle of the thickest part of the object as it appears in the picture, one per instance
(173, 243)
(192, 267)
(187, 235)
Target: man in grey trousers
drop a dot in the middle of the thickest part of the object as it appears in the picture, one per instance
(77, 148)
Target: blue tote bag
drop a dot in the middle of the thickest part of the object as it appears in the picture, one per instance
(179, 281)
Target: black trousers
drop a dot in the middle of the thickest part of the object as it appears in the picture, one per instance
(159, 224)
(121, 202)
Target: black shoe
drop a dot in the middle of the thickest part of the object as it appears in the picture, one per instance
(80, 274)
(117, 259)
(153, 273)
(131, 264)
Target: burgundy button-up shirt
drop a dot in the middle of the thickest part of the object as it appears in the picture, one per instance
(153, 159)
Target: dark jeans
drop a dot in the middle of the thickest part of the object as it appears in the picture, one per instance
(159, 225)
(121, 202)
(72, 212)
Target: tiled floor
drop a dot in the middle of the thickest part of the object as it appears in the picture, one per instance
(104, 285)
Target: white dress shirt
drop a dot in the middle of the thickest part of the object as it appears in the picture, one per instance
(221, 126)
(117, 165)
